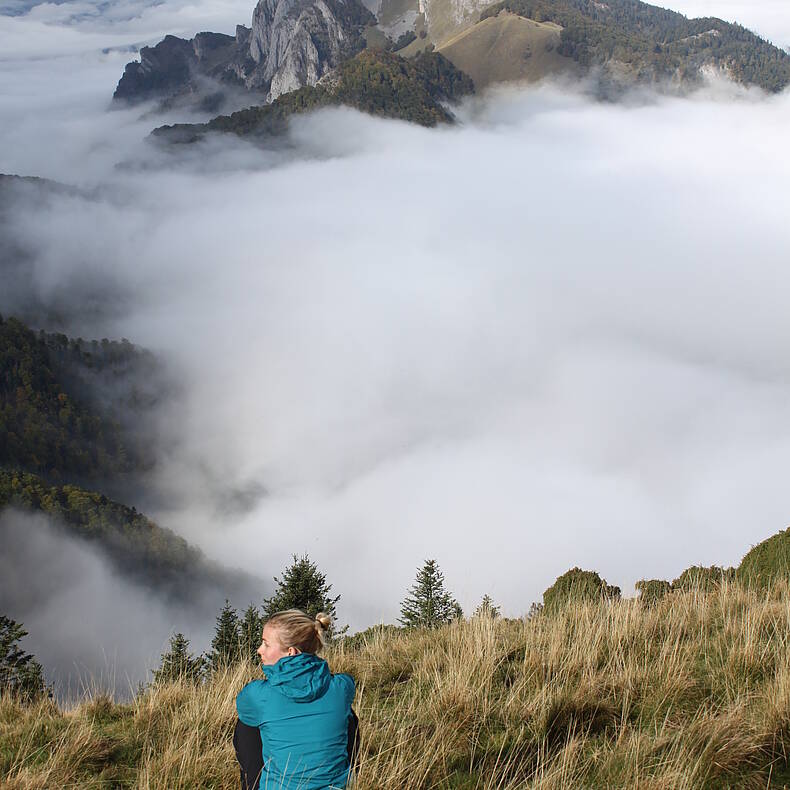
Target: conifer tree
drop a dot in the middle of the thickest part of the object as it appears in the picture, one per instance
(251, 629)
(226, 644)
(302, 586)
(20, 673)
(486, 608)
(178, 663)
(428, 604)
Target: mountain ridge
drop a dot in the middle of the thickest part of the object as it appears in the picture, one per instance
(289, 62)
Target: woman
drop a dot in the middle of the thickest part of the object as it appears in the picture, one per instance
(296, 727)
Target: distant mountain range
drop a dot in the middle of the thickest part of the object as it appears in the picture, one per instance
(394, 57)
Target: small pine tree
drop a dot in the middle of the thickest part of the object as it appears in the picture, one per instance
(20, 674)
(178, 663)
(486, 608)
(251, 629)
(302, 586)
(428, 604)
(535, 610)
(226, 644)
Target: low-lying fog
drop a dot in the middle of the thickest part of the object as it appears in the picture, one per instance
(554, 335)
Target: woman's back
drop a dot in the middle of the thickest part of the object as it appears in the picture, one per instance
(303, 714)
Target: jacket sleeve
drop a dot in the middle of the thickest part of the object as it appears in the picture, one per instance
(249, 704)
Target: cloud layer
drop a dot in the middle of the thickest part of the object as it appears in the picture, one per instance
(89, 628)
(555, 335)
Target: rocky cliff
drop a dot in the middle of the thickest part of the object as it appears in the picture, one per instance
(178, 66)
(292, 43)
(296, 42)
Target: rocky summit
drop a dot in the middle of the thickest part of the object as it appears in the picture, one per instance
(291, 43)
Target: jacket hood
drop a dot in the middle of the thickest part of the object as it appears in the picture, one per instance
(303, 677)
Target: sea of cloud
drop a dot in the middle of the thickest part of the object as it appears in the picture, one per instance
(553, 335)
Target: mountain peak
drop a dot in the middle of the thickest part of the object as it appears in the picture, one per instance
(291, 43)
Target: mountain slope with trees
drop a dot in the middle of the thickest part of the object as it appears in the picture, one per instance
(376, 82)
(72, 433)
(137, 546)
(654, 43)
(44, 428)
(78, 411)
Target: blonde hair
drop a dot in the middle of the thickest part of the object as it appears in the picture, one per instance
(296, 629)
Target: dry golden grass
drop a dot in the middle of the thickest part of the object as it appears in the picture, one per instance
(508, 48)
(691, 693)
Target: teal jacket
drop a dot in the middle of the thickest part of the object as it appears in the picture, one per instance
(302, 711)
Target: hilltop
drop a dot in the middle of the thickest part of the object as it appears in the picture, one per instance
(691, 693)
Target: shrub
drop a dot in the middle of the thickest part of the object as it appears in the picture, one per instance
(578, 586)
(697, 577)
(767, 561)
(651, 591)
(361, 639)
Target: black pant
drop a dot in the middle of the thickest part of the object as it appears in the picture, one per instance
(247, 743)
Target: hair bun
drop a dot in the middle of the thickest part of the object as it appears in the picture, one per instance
(323, 621)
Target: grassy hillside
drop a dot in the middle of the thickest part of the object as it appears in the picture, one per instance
(375, 82)
(508, 48)
(691, 693)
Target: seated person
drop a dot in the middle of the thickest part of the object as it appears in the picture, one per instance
(296, 728)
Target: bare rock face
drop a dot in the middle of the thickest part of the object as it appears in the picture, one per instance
(296, 42)
(176, 64)
(292, 43)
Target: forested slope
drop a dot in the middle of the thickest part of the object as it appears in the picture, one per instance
(55, 417)
(655, 42)
(70, 435)
(375, 82)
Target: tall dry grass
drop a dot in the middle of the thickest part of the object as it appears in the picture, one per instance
(691, 693)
